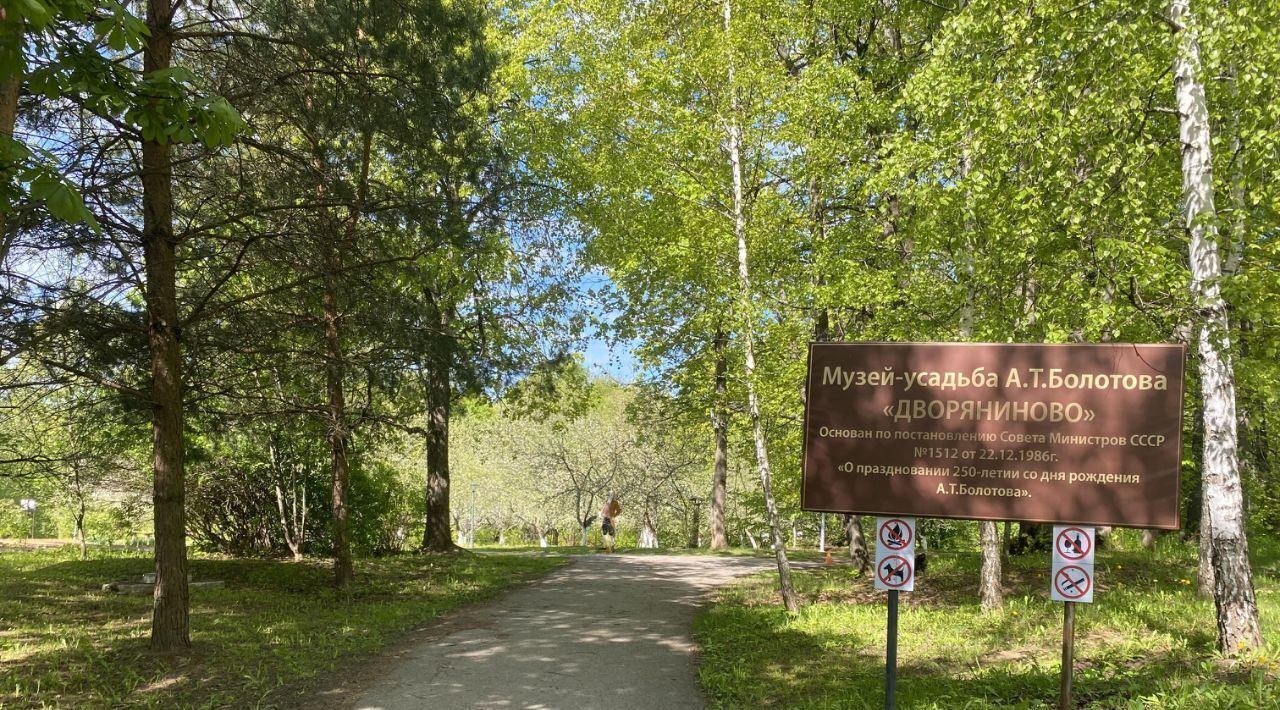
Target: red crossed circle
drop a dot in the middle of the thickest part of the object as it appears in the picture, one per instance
(886, 567)
(1070, 587)
(1073, 549)
(892, 542)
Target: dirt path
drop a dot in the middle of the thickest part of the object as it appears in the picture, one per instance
(606, 631)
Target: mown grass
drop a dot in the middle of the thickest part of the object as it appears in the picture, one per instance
(265, 640)
(1147, 641)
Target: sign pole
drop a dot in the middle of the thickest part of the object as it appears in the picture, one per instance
(895, 572)
(891, 653)
(1068, 653)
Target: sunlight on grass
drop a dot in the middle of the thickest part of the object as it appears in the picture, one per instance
(256, 642)
(1148, 641)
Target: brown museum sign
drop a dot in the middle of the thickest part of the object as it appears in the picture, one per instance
(1087, 434)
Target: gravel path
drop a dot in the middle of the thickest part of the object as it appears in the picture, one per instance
(606, 631)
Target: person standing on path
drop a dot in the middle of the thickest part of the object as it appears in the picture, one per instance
(611, 510)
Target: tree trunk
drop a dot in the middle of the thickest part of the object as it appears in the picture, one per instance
(170, 624)
(11, 33)
(989, 578)
(439, 394)
(335, 370)
(300, 525)
(81, 537)
(339, 435)
(1102, 537)
(289, 524)
(1237, 607)
(857, 542)
(992, 594)
(1031, 537)
(720, 424)
(1148, 538)
(648, 534)
(748, 337)
(1204, 571)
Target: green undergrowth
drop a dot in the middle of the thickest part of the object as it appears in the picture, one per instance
(1147, 642)
(276, 629)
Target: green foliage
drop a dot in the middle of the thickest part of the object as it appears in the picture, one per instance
(560, 387)
(386, 509)
(70, 50)
(989, 170)
(171, 112)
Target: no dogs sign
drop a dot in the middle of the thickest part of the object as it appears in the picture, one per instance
(895, 554)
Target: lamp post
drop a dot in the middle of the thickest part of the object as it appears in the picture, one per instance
(472, 536)
(693, 532)
(29, 505)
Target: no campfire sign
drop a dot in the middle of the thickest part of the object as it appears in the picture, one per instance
(895, 554)
(1072, 576)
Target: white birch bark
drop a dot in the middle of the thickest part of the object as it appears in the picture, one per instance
(1234, 598)
(734, 131)
(648, 534)
(989, 587)
(1204, 568)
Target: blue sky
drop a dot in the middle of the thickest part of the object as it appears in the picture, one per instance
(614, 360)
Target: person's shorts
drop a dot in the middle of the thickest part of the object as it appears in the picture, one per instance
(606, 526)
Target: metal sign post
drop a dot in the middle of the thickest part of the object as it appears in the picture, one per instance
(895, 572)
(891, 653)
(1071, 582)
(1068, 653)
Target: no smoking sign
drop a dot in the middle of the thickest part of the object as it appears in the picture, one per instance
(895, 554)
(1073, 583)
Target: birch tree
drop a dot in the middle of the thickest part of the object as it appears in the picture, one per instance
(733, 132)
(1234, 598)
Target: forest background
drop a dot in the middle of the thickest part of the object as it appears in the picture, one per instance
(307, 279)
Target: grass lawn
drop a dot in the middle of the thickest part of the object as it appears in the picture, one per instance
(274, 632)
(1147, 641)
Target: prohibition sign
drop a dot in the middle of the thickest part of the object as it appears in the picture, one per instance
(1071, 584)
(895, 534)
(1073, 544)
(894, 567)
